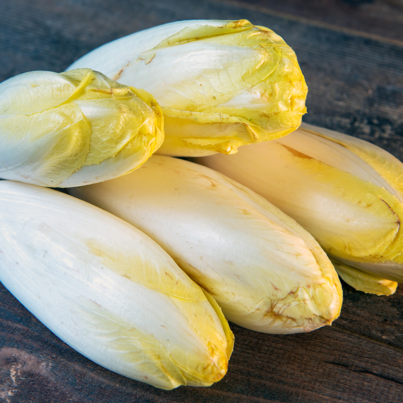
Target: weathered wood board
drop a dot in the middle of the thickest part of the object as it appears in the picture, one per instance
(355, 85)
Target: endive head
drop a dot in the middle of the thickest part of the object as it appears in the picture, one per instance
(221, 84)
(348, 193)
(265, 271)
(74, 128)
(123, 301)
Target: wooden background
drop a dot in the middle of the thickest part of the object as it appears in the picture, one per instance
(351, 53)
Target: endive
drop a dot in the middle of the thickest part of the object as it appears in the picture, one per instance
(108, 290)
(265, 271)
(74, 128)
(346, 192)
(221, 84)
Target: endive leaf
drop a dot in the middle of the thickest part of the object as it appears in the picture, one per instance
(34, 92)
(362, 281)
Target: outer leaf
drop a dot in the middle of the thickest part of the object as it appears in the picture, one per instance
(366, 282)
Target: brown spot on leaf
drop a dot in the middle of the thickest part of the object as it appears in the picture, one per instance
(213, 182)
(297, 153)
(148, 61)
(398, 219)
(119, 74)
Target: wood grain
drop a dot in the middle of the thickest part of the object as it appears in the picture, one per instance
(355, 85)
(359, 359)
(376, 19)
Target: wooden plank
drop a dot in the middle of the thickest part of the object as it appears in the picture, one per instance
(375, 19)
(356, 86)
(328, 365)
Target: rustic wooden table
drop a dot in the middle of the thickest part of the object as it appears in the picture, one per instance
(351, 53)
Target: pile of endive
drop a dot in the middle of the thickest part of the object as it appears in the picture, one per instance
(142, 264)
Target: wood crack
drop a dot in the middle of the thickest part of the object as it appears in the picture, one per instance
(384, 344)
(364, 371)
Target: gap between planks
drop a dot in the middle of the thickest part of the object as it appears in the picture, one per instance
(308, 21)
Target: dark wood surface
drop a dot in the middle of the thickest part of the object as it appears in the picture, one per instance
(351, 53)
